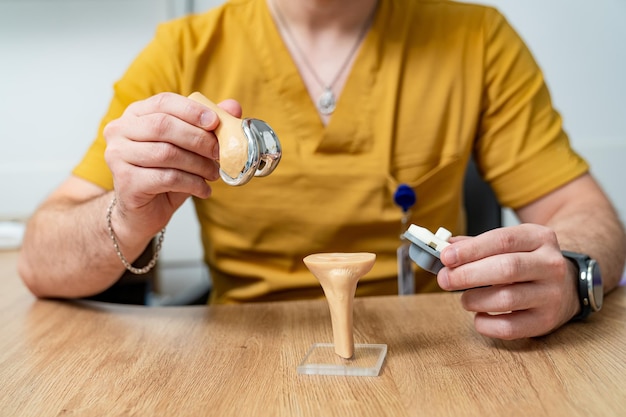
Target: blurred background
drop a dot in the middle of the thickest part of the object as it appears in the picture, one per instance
(60, 58)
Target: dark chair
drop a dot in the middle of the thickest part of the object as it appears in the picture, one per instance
(483, 212)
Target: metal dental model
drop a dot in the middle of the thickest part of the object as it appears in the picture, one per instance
(248, 147)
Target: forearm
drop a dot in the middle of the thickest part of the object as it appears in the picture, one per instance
(595, 231)
(587, 224)
(67, 251)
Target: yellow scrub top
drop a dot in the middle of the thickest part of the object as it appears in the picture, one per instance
(433, 82)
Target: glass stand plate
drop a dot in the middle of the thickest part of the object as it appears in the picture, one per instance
(321, 359)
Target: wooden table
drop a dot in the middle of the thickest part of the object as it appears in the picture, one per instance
(96, 359)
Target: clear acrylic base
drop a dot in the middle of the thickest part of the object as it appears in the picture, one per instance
(321, 359)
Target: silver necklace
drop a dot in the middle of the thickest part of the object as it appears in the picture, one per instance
(327, 101)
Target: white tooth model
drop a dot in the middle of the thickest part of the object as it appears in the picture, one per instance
(426, 247)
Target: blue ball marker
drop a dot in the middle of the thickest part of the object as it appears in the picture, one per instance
(404, 197)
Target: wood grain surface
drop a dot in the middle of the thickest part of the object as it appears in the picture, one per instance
(79, 358)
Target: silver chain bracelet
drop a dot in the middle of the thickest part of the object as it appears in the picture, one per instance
(153, 261)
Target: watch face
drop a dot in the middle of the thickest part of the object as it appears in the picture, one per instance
(596, 292)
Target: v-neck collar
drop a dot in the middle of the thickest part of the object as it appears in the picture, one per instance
(349, 128)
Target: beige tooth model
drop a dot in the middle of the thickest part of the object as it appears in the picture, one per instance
(233, 142)
(338, 273)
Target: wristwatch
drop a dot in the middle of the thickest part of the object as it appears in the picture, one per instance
(590, 289)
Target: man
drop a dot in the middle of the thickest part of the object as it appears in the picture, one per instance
(363, 95)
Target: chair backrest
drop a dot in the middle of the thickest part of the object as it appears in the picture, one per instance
(481, 206)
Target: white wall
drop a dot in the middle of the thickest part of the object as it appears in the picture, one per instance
(58, 60)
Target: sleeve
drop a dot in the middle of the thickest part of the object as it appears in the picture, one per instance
(156, 69)
(521, 148)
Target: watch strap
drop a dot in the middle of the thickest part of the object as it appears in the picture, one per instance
(580, 262)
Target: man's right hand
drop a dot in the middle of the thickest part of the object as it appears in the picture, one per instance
(161, 151)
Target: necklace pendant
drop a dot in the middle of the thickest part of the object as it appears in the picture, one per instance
(327, 102)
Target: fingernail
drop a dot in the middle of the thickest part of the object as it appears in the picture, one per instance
(207, 118)
(450, 256)
(442, 279)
